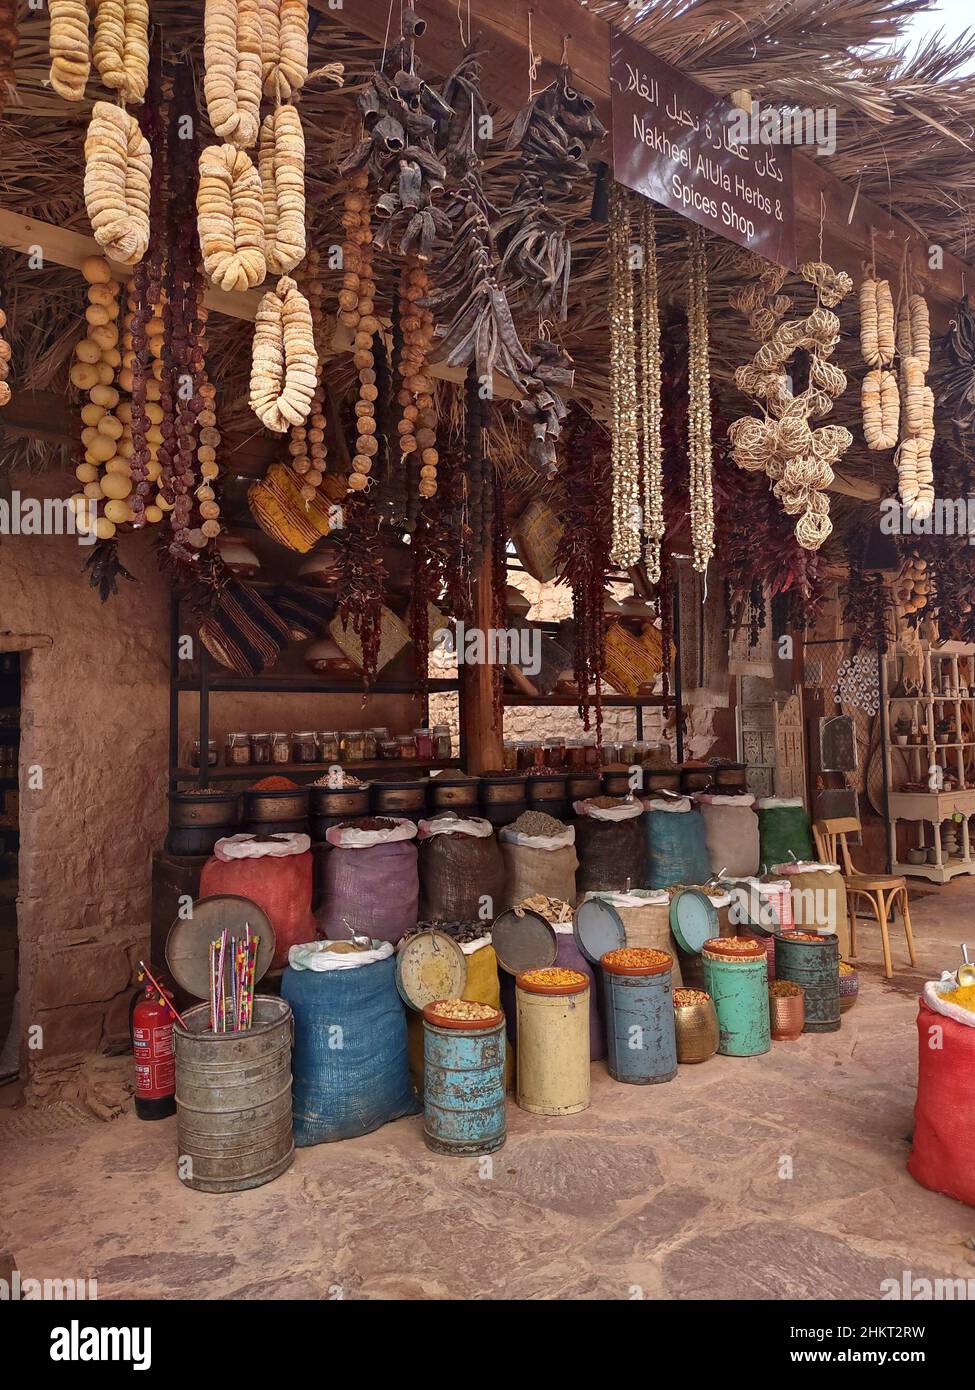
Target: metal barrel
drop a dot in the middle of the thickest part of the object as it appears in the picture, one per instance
(641, 1041)
(463, 1089)
(552, 1059)
(233, 1099)
(816, 966)
(739, 989)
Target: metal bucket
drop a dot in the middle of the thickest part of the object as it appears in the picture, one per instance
(463, 1088)
(553, 1051)
(816, 966)
(640, 1039)
(233, 1099)
(739, 989)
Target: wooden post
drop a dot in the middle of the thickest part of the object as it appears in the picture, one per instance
(483, 744)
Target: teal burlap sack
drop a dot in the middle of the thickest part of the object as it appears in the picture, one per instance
(350, 1065)
(784, 832)
(676, 848)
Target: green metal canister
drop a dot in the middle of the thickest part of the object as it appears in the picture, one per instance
(813, 962)
(736, 977)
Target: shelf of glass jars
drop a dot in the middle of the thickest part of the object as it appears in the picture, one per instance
(255, 771)
(515, 697)
(308, 685)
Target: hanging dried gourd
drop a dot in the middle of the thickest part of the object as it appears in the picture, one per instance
(877, 339)
(284, 48)
(307, 443)
(230, 218)
(118, 167)
(624, 431)
(357, 312)
(651, 407)
(700, 488)
(284, 364)
(104, 471)
(69, 48)
(120, 48)
(281, 161)
(233, 78)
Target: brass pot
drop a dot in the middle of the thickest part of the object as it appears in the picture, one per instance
(787, 1015)
(697, 1031)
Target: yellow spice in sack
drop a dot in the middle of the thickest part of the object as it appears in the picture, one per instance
(963, 996)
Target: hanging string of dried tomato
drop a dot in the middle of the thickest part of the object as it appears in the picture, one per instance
(361, 580)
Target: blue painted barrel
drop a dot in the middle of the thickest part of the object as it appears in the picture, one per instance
(463, 1091)
(736, 977)
(641, 1040)
(814, 964)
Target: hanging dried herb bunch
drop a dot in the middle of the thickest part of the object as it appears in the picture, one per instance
(582, 558)
(867, 601)
(361, 581)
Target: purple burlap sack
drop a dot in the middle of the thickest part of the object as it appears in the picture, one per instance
(374, 891)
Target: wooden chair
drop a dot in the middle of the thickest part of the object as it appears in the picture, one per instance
(881, 894)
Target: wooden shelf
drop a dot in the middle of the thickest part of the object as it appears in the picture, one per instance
(308, 685)
(950, 869)
(515, 697)
(253, 772)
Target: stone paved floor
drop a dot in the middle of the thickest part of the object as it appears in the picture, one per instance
(672, 1190)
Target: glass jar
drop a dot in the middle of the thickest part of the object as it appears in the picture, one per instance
(374, 740)
(510, 756)
(591, 752)
(524, 756)
(328, 746)
(554, 750)
(443, 747)
(575, 754)
(195, 753)
(424, 744)
(641, 751)
(304, 747)
(280, 748)
(351, 744)
(406, 743)
(389, 748)
(237, 750)
(611, 754)
(537, 754)
(628, 752)
(260, 748)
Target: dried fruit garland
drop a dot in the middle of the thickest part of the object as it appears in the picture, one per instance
(284, 48)
(417, 426)
(230, 217)
(624, 426)
(118, 167)
(281, 160)
(699, 401)
(357, 312)
(307, 445)
(69, 48)
(233, 72)
(121, 46)
(583, 555)
(284, 363)
(867, 602)
(5, 352)
(361, 581)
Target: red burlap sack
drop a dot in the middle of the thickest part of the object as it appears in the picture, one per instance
(281, 886)
(943, 1152)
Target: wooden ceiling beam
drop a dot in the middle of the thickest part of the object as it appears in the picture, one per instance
(854, 225)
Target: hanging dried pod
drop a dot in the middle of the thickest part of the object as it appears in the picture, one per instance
(121, 46)
(118, 167)
(281, 161)
(230, 218)
(232, 79)
(284, 366)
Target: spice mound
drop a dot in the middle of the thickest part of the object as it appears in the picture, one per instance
(554, 978)
(846, 968)
(274, 784)
(461, 932)
(537, 823)
(552, 909)
(685, 998)
(463, 1009)
(637, 958)
(784, 989)
(545, 770)
(963, 996)
(605, 803)
(338, 780)
(733, 946)
(806, 936)
(368, 823)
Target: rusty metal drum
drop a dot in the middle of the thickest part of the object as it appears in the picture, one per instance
(233, 1099)
(463, 1084)
(640, 1029)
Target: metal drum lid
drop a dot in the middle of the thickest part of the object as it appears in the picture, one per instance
(693, 919)
(765, 920)
(188, 942)
(597, 928)
(523, 942)
(430, 966)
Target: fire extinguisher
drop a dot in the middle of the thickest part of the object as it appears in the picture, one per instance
(151, 1028)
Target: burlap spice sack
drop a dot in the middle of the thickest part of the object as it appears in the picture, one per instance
(645, 915)
(372, 887)
(818, 899)
(610, 845)
(461, 870)
(538, 863)
(730, 833)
